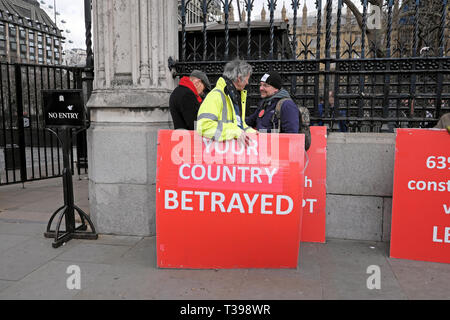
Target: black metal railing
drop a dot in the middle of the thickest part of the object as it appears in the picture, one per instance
(27, 151)
(394, 73)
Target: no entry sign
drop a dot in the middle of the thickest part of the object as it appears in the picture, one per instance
(63, 108)
(220, 205)
(421, 198)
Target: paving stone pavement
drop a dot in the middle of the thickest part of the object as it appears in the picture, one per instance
(124, 267)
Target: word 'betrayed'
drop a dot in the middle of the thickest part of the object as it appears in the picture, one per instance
(218, 202)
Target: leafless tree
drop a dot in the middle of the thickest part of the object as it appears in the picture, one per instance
(429, 21)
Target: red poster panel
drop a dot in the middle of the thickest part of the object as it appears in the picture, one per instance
(223, 206)
(314, 199)
(421, 199)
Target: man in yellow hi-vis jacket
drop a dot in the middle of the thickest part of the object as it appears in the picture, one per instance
(222, 114)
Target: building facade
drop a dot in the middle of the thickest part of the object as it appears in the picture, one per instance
(27, 34)
(194, 11)
(402, 33)
(307, 36)
(75, 57)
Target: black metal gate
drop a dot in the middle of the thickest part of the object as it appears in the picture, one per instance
(396, 74)
(27, 151)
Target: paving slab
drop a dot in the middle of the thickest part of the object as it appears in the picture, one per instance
(50, 282)
(22, 259)
(287, 284)
(137, 282)
(22, 228)
(344, 271)
(5, 284)
(94, 253)
(422, 280)
(19, 216)
(115, 240)
(8, 241)
(143, 254)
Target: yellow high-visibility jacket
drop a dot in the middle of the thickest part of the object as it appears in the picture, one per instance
(216, 118)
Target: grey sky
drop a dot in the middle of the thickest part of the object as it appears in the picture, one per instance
(72, 12)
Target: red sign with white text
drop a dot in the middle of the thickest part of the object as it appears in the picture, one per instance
(220, 205)
(421, 199)
(314, 199)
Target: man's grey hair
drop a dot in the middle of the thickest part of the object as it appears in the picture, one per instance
(237, 69)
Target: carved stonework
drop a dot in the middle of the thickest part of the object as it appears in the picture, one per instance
(132, 43)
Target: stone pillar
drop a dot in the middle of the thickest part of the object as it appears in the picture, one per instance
(133, 40)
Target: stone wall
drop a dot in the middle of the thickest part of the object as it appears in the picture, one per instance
(360, 171)
(122, 171)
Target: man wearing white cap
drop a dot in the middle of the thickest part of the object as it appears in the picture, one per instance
(277, 112)
(264, 118)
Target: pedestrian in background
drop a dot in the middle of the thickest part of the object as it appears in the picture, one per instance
(332, 112)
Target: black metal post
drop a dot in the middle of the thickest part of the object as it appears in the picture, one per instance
(319, 27)
(249, 7)
(69, 208)
(3, 122)
(226, 10)
(326, 86)
(412, 90)
(387, 78)
(272, 5)
(88, 26)
(204, 5)
(183, 29)
(87, 79)
(239, 10)
(317, 75)
(338, 54)
(440, 78)
(295, 5)
(20, 126)
(361, 101)
(67, 182)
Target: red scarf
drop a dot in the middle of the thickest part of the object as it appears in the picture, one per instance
(186, 82)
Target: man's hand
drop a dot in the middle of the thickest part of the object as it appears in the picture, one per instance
(244, 139)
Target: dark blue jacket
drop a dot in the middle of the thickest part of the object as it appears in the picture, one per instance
(263, 120)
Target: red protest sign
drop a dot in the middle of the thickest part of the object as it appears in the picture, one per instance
(420, 227)
(314, 199)
(222, 206)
